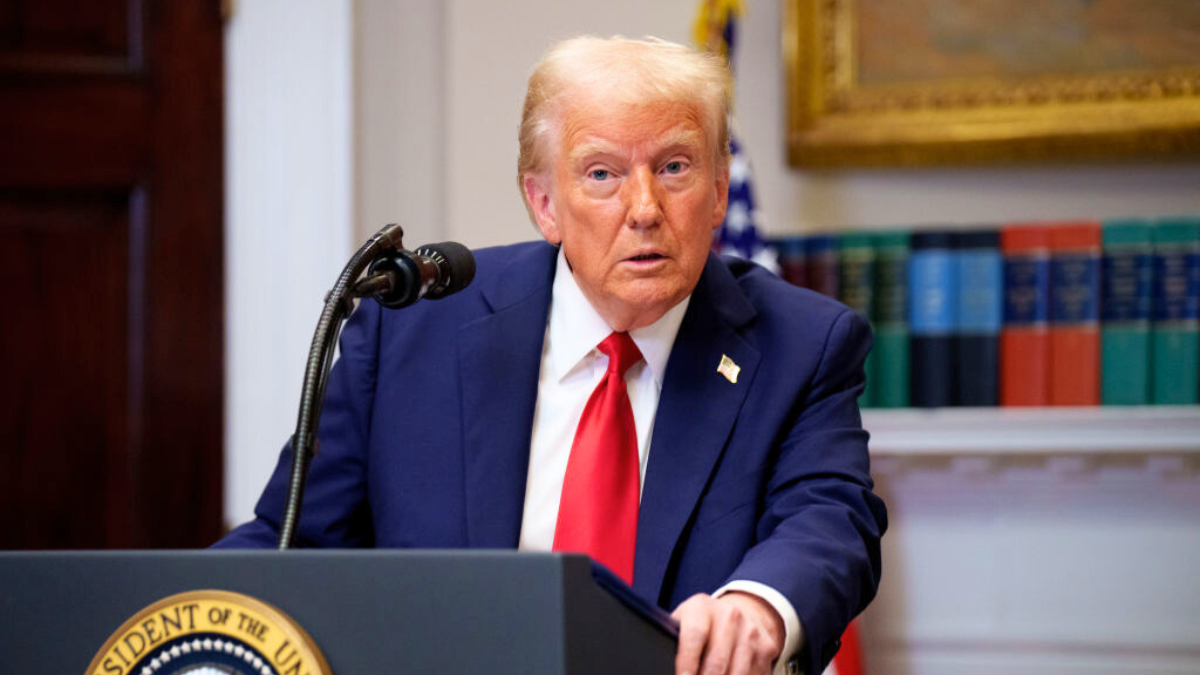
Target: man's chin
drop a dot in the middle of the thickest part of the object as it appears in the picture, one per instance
(641, 307)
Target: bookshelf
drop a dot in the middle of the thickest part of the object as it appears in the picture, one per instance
(1005, 520)
(1095, 430)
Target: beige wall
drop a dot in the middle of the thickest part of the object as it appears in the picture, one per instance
(288, 209)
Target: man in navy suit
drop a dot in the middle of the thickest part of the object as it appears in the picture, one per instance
(454, 423)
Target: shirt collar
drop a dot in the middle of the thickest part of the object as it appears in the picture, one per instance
(575, 328)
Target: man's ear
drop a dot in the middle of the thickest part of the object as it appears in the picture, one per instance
(722, 187)
(537, 197)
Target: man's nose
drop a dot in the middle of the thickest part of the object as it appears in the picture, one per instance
(645, 206)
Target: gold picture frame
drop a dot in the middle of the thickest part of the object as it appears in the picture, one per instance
(848, 106)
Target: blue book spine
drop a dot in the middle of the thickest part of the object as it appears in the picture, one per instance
(980, 316)
(1027, 291)
(933, 309)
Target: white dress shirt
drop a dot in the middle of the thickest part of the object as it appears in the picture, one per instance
(571, 368)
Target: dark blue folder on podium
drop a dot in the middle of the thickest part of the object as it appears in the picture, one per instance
(368, 612)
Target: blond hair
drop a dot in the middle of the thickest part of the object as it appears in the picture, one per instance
(625, 71)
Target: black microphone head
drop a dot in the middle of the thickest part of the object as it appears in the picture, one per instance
(456, 263)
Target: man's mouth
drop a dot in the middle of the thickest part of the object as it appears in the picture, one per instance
(644, 257)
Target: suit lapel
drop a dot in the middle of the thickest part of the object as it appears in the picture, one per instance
(695, 417)
(499, 359)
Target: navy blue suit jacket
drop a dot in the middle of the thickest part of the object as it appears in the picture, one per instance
(424, 439)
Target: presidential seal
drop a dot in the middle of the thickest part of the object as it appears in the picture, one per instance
(209, 633)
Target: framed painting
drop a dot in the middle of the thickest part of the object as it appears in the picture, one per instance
(920, 82)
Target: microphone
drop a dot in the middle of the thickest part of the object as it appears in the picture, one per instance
(399, 278)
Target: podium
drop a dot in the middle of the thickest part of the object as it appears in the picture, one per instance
(368, 612)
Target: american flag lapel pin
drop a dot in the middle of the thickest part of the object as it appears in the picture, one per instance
(729, 369)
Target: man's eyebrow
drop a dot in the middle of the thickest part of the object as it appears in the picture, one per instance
(589, 149)
(677, 138)
(670, 142)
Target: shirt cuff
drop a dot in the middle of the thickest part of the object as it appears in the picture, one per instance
(793, 633)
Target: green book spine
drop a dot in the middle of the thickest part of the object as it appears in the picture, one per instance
(891, 353)
(1126, 301)
(856, 289)
(1125, 365)
(1176, 343)
(1175, 366)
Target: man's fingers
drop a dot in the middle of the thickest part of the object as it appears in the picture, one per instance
(754, 652)
(695, 619)
(729, 636)
(744, 656)
(761, 636)
(722, 638)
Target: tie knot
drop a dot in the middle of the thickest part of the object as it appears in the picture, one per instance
(622, 352)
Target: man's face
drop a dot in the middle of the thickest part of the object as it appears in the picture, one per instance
(634, 197)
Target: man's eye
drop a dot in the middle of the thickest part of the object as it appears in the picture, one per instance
(599, 174)
(673, 167)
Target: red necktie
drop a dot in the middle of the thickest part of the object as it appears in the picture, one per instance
(599, 508)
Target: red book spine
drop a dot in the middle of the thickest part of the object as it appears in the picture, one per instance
(1025, 336)
(1075, 313)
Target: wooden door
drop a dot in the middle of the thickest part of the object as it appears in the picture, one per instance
(111, 324)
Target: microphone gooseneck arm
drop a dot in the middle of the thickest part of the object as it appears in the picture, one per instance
(338, 304)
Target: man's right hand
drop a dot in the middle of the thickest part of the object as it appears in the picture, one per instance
(735, 634)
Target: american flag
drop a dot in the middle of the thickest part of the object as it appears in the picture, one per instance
(740, 234)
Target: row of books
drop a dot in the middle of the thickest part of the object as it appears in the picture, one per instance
(1025, 314)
